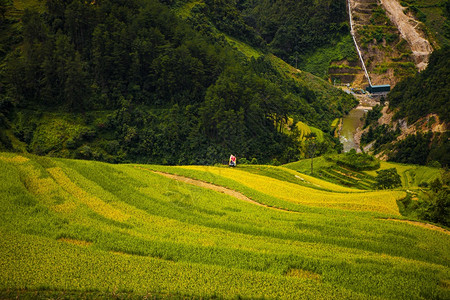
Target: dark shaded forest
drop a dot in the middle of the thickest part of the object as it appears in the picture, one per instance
(130, 81)
(416, 97)
(427, 92)
(292, 30)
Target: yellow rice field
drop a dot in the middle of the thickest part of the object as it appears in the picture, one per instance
(376, 201)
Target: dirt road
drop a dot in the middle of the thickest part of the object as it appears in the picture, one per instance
(216, 188)
(409, 30)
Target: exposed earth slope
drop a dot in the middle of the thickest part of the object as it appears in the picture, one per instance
(410, 30)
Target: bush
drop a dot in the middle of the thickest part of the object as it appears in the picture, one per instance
(435, 164)
(358, 161)
(275, 162)
(436, 185)
(388, 179)
(84, 152)
(243, 161)
(423, 184)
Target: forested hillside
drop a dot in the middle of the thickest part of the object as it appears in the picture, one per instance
(415, 98)
(422, 103)
(427, 92)
(307, 34)
(129, 80)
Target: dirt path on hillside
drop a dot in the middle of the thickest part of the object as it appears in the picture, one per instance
(408, 27)
(216, 188)
(424, 225)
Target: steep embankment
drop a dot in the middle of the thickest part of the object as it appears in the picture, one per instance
(392, 45)
(410, 31)
(415, 126)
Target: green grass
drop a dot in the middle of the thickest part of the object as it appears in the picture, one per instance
(184, 11)
(320, 61)
(303, 130)
(242, 47)
(411, 175)
(122, 230)
(326, 168)
(304, 166)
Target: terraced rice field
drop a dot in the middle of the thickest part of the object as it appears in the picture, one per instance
(411, 175)
(73, 229)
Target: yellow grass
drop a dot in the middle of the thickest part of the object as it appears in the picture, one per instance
(14, 159)
(65, 208)
(321, 183)
(335, 122)
(299, 273)
(75, 242)
(46, 190)
(378, 201)
(93, 202)
(303, 129)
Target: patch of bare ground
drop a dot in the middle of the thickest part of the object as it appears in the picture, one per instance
(299, 273)
(410, 31)
(420, 224)
(210, 186)
(386, 58)
(429, 123)
(386, 117)
(216, 188)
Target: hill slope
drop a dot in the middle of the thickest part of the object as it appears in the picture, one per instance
(414, 127)
(135, 82)
(123, 230)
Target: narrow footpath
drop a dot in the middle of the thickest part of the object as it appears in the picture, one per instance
(216, 188)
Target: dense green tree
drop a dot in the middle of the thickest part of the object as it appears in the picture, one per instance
(291, 27)
(387, 179)
(413, 149)
(75, 89)
(4, 6)
(174, 94)
(425, 93)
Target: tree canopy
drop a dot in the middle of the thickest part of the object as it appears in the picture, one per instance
(174, 93)
(387, 179)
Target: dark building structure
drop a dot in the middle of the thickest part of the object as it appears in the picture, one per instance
(378, 89)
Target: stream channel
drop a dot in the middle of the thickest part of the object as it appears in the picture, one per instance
(350, 125)
(354, 122)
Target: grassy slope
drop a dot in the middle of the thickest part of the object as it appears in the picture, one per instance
(318, 62)
(310, 196)
(411, 175)
(21, 5)
(147, 234)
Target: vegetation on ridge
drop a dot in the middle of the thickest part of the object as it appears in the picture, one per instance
(133, 82)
